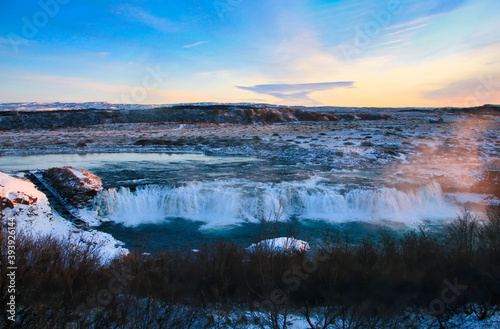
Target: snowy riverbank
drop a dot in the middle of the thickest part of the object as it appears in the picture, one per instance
(34, 216)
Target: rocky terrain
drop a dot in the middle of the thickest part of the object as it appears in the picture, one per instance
(77, 186)
(185, 114)
(234, 114)
(458, 148)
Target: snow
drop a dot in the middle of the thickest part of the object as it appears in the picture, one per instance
(86, 178)
(486, 199)
(38, 218)
(492, 164)
(299, 321)
(12, 188)
(57, 106)
(77, 173)
(89, 216)
(283, 244)
(35, 106)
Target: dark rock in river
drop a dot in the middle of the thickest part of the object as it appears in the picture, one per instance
(78, 186)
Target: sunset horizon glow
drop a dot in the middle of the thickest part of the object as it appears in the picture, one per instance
(361, 53)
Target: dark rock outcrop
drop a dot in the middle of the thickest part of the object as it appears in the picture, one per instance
(6, 203)
(487, 109)
(21, 198)
(373, 116)
(77, 186)
(436, 120)
(236, 114)
(25, 199)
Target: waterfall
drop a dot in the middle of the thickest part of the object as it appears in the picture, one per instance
(227, 202)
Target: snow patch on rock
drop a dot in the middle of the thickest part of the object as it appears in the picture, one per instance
(280, 245)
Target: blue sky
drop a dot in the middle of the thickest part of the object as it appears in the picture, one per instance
(316, 52)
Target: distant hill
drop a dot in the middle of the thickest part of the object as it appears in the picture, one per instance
(52, 115)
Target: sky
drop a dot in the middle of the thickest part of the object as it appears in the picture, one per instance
(380, 53)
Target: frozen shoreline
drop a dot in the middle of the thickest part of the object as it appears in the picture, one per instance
(34, 216)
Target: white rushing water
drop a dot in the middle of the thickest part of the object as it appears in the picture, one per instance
(225, 202)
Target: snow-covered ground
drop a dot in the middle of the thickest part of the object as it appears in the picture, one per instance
(57, 106)
(297, 321)
(35, 106)
(34, 216)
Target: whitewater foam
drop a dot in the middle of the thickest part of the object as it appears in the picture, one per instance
(226, 202)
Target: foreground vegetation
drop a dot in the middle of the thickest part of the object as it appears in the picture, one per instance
(410, 280)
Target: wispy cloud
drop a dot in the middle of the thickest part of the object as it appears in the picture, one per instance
(296, 92)
(195, 44)
(479, 90)
(215, 74)
(101, 54)
(13, 40)
(158, 23)
(411, 26)
(4, 41)
(443, 7)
